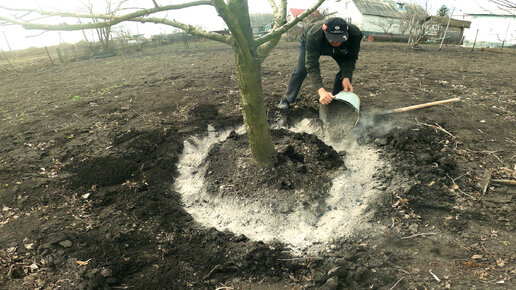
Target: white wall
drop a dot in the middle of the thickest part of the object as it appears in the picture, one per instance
(350, 13)
(378, 24)
(491, 30)
(367, 23)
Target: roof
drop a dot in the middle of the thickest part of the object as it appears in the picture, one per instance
(453, 22)
(295, 12)
(386, 8)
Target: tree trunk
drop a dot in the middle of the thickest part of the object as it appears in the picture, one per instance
(253, 110)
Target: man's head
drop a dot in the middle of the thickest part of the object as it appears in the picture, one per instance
(336, 30)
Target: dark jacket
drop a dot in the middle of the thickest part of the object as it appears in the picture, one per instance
(316, 45)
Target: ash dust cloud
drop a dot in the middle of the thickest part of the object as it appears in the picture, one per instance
(346, 211)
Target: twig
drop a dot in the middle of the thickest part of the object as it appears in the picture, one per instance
(498, 159)
(396, 284)
(510, 140)
(418, 235)
(435, 276)
(453, 180)
(301, 258)
(462, 246)
(224, 287)
(436, 127)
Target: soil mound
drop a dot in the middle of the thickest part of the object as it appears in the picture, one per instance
(303, 171)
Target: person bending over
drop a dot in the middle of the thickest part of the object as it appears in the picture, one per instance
(333, 37)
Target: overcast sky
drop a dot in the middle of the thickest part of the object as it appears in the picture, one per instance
(18, 38)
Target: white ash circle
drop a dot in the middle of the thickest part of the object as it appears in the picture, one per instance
(302, 228)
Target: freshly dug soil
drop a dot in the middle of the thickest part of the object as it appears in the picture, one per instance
(303, 172)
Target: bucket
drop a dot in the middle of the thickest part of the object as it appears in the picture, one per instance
(340, 115)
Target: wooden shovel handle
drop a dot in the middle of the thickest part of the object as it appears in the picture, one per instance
(420, 106)
(504, 181)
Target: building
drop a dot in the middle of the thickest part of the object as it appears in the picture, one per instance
(454, 29)
(490, 28)
(376, 16)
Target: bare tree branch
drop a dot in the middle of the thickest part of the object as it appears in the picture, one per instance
(274, 6)
(231, 21)
(113, 20)
(187, 28)
(282, 29)
(504, 3)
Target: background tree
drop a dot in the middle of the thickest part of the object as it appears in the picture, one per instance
(416, 21)
(387, 24)
(111, 7)
(443, 11)
(249, 52)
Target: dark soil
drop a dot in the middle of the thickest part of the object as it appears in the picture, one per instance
(88, 155)
(303, 172)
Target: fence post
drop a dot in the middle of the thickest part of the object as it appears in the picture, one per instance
(474, 42)
(51, 61)
(505, 37)
(10, 64)
(8, 45)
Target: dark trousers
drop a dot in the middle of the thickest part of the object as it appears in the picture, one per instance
(299, 75)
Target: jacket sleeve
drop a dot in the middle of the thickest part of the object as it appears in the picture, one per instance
(348, 63)
(312, 63)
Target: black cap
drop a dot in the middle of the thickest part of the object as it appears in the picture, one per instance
(336, 29)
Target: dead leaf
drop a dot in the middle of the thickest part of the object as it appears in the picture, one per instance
(500, 262)
(471, 264)
(455, 186)
(477, 257)
(403, 201)
(82, 263)
(431, 183)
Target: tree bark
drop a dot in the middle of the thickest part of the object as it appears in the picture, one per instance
(250, 83)
(253, 110)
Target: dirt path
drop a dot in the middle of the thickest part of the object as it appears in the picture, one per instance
(88, 158)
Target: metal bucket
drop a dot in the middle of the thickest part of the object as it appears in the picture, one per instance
(340, 115)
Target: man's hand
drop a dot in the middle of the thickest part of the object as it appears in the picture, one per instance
(325, 97)
(346, 84)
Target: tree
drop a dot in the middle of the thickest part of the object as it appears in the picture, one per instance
(249, 52)
(415, 21)
(104, 33)
(443, 11)
(387, 23)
